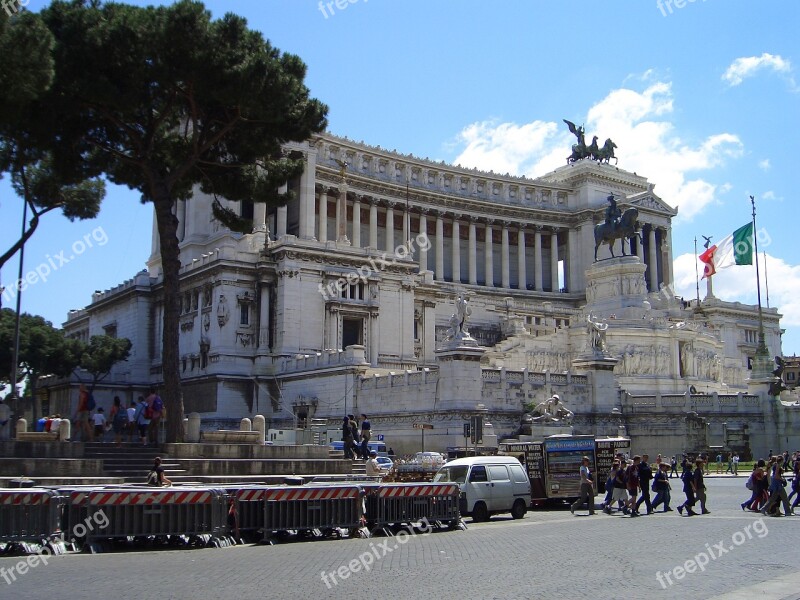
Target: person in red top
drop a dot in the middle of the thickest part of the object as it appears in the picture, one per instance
(83, 414)
(632, 483)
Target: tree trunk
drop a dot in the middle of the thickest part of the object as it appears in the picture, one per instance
(170, 364)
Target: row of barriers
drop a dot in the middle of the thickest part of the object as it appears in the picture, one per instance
(84, 515)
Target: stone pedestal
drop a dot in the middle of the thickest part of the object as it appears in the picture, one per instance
(460, 375)
(604, 390)
(615, 286)
(246, 425)
(193, 428)
(260, 425)
(539, 431)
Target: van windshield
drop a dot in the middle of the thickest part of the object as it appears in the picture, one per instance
(451, 475)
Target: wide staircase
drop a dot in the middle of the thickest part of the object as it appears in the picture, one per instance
(131, 461)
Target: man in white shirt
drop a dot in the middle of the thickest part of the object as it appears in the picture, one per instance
(373, 468)
(99, 423)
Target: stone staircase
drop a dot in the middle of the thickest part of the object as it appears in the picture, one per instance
(131, 461)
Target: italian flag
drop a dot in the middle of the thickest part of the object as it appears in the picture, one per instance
(736, 249)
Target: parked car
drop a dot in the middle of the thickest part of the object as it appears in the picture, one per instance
(489, 485)
(385, 463)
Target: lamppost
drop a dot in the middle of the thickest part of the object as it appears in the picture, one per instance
(762, 361)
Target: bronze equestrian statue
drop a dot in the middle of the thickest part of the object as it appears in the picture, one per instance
(615, 228)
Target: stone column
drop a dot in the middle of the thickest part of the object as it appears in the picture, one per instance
(666, 255)
(406, 226)
(456, 238)
(488, 253)
(306, 208)
(356, 235)
(390, 228)
(280, 221)
(537, 258)
(423, 236)
(322, 235)
(373, 224)
(554, 260)
(259, 216)
(504, 258)
(573, 260)
(653, 266)
(439, 247)
(473, 252)
(521, 266)
(640, 246)
(341, 216)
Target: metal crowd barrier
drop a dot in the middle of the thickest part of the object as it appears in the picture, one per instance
(249, 504)
(130, 512)
(310, 507)
(29, 515)
(401, 503)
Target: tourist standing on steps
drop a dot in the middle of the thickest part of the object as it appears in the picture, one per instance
(356, 437)
(83, 414)
(699, 484)
(645, 475)
(688, 488)
(119, 420)
(587, 489)
(661, 487)
(347, 438)
(142, 422)
(366, 435)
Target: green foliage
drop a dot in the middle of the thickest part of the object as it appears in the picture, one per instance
(26, 76)
(102, 353)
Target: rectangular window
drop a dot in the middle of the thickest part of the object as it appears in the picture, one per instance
(352, 332)
(244, 314)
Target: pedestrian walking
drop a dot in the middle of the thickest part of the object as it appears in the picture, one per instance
(662, 488)
(366, 434)
(587, 489)
(673, 467)
(730, 464)
(142, 422)
(719, 463)
(735, 464)
(347, 439)
(687, 477)
(619, 494)
(777, 491)
(356, 437)
(632, 485)
(645, 475)
(699, 484)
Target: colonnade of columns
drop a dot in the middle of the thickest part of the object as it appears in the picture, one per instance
(530, 272)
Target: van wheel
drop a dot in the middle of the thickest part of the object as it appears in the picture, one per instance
(519, 509)
(480, 513)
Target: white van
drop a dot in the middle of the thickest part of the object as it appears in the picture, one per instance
(489, 485)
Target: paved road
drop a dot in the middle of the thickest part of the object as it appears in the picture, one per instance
(546, 555)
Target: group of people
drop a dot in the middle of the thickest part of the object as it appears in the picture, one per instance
(356, 436)
(767, 484)
(140, 419)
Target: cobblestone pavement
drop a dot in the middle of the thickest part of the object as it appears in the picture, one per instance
(548, 554)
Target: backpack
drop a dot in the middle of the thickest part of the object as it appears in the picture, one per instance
(121, 418)
(148, 412)
(749, 483)
(91, 404)
(158, 404)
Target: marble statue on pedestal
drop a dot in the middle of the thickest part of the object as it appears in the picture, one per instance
(550, 411)
(596, 334)
(458, 321)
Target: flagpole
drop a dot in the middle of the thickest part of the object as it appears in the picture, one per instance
(761, 361)
(766, 279)
(696, 272)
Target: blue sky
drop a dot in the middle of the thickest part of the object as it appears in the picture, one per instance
(701, 97)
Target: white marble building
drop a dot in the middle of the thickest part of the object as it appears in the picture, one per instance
(337, 302)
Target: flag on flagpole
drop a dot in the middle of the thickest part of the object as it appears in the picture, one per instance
(736, 249)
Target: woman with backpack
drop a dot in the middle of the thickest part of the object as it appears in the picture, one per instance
(156, 406)
(119, 420)
(142, 420)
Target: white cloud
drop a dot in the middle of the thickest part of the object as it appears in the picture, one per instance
(769, 195)
(764, 165)
(737, 284)
(645, 145)
(747, 66)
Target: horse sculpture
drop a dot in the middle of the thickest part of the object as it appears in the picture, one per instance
(606, 153)
(625, 228)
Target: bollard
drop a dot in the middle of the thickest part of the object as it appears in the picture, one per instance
(260, 424)
(246, 425)
(193, 428)
(64, 430)
(22, 426)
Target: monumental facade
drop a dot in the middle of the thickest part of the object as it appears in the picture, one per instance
(341, 302)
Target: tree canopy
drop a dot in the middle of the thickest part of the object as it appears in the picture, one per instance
(26, 76)
(166, 100)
